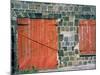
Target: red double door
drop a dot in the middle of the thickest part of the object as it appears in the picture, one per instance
(37, 43)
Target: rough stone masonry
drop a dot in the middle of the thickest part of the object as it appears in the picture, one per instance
(67, 17)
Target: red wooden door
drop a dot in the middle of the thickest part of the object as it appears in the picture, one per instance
(87, 37)
(37, 43)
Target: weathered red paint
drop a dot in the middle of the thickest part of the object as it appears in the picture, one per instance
(37, 43)
(87, 37)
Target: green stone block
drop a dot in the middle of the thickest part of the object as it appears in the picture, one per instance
(13, 22)
(20, 15)
(65, 62)
(87, 16)
(60, 57)
(63, 14)
(76, 22)
(51, 15)
(61, 37)
(77, 16)
(73, 47)
(61, 53)
(31, 15)
(65, 48)
(66, 18)
(12, 5)
(65, 23)
(57, 15)
(38, 15)
(25, 14)
(59, 45)
(84, 62)
(93, 16)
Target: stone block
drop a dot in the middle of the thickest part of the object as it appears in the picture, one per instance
(60, 53)
(66, 18)
(72, 58)
(31, 15)
(18, 5)
(85, 62)
(66, 53)
(65, 48)
(25, 5)
(66, 59)
(31, 6)
(69, 63)
(71, 53)
(70, 23)
(61, 37)
(38, 15)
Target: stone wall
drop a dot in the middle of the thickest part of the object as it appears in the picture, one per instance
(67, 16)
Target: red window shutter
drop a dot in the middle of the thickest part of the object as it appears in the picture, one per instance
(87, 37)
